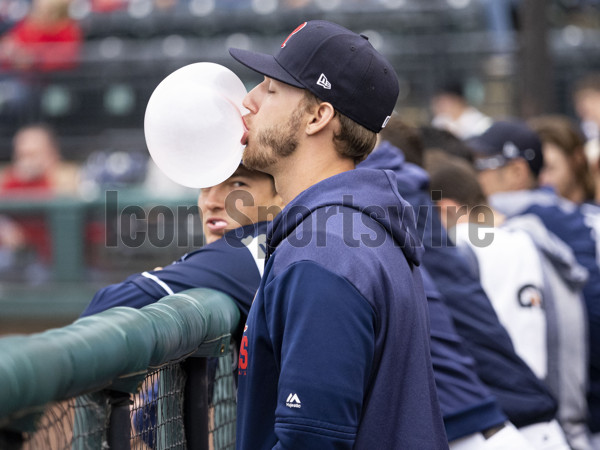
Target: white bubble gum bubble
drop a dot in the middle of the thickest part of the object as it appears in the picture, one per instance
(193, 124)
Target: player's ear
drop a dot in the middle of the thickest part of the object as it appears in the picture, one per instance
(320, 116)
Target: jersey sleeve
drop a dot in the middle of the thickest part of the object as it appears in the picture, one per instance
(323, 332)
(230, 269)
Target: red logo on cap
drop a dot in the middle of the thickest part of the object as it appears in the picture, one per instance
(293, 33)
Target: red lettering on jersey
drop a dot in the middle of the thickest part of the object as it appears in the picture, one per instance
(243, 363)
(293, 33)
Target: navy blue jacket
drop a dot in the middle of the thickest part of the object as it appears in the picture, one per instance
(567, 221)
(521, 395)
(231, 265)
(467, 404)
(335, 352)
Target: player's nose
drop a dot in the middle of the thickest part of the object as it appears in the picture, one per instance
(211, 199)
(253, 98)
(249, 102)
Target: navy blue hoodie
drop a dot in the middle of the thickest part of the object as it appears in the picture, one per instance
(467, 404)
(335, 352)
(521, 395)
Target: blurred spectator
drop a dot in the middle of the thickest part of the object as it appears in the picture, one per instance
(105, 6)
(18, 258)
(509, 159)
(534, 283)
(36, 170)
(587, 104)
(452, 112)
(36, 167)
(47, 39)
(565, 167)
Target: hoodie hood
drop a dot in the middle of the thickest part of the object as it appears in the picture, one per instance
(410, 177)
(368, 191)
(558, 253)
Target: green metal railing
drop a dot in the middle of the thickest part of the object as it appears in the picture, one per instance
(100, 360)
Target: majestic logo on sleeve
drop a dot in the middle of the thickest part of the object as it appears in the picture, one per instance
(293, 401)
(293, 33)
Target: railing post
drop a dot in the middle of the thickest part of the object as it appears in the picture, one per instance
(195, 404)
(67, 222)
(119, 428)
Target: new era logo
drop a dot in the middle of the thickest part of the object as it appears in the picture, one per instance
(293, 401)
(324, 82)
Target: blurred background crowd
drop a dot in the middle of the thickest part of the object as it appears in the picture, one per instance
(76, 75)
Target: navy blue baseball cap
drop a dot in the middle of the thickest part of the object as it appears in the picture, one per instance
(335, 64)
(504, 141)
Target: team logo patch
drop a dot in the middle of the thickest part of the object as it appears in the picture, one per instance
(324, 82)
(293, 33)
(293, 401)
(530, 296)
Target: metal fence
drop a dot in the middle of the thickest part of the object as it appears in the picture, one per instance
(156, 378)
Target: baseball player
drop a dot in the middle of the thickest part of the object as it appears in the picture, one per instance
(484, 388)
(509, 158)
(534, 284)
(335, 352)
(233, 260)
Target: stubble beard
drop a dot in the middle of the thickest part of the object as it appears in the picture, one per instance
(273, 143)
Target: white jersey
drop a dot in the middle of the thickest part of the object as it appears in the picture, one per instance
(534, 284)
(511, 274)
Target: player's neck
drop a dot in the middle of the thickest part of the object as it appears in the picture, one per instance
(306, 167)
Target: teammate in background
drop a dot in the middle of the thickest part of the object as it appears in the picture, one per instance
(565, 166)
(452, 112)
(476, 347)
(509, 160)
(436, 140)
(335, 352)
(234, 220)
(534, 284)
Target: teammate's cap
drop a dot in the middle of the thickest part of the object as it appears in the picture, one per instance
(335, 64)
(504, 141)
